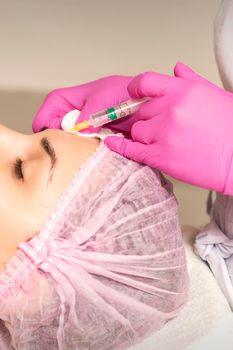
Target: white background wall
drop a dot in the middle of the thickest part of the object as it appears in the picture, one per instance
(48, 43)
(52, 43)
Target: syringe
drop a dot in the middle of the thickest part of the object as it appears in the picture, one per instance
(110, 114)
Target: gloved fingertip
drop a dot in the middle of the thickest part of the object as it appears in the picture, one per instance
(179, 68)
(121, 145)
(183, 71)
(42, 123)
(134, 87)
(37, 125)
(117, 144)
(111, 142)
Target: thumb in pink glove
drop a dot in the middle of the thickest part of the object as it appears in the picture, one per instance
(88, 98)
(185, 130)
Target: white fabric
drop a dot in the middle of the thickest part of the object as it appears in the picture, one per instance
(102, 134)
(206, 321)
(215, 247)
(223, 35)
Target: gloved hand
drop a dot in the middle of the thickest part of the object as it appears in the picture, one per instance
(186, 130)
(88, 98)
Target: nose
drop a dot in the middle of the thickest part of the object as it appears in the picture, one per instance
(12, 143)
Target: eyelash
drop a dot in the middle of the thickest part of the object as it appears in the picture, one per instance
(18, 168)
(18, 163)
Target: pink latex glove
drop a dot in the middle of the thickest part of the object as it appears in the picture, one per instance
(88, 98)
(186, 130)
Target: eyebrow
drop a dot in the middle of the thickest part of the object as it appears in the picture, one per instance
(49, 149)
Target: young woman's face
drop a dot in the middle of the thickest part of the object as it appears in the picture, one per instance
(34, 171)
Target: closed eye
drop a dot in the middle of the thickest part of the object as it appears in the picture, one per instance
(48, 148)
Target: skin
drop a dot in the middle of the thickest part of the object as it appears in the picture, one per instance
(25, 203)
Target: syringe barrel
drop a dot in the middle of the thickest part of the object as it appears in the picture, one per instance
(117, 112)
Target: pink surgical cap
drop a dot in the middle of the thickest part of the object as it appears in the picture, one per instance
(106, 270)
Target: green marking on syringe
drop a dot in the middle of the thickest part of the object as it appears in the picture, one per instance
(111, 113)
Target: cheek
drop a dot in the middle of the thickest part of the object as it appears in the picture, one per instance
(20, 215)
(37, 207)
(10, 201)
(13, 227)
